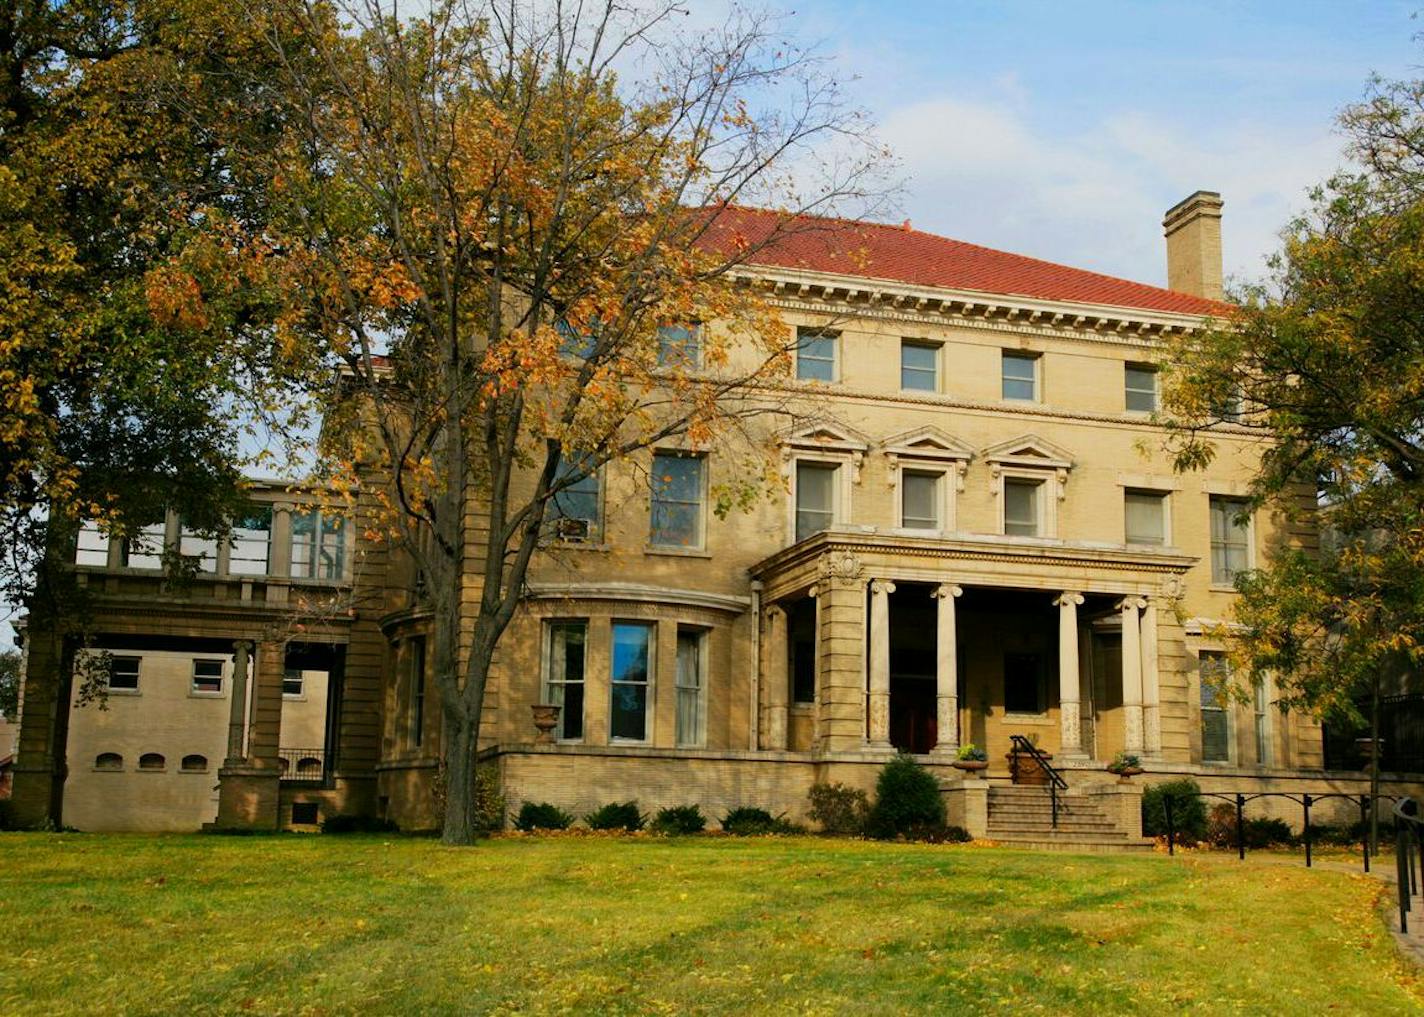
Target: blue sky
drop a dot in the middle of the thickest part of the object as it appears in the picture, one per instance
(1064, 130)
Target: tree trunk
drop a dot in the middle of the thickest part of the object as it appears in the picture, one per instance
(459, 744)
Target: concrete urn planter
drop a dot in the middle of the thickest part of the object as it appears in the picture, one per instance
(546, 718)
(974, 766)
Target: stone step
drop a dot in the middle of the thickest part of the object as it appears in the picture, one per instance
(1047, 831)
(1077, 844)
(1089, 814)
(1047, 824)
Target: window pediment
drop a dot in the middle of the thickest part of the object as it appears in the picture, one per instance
(827, 439)
(927, 445)
(1029, 451)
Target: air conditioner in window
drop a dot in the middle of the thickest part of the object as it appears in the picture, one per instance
(578, 531)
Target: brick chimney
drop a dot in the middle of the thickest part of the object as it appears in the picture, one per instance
(1193, 229)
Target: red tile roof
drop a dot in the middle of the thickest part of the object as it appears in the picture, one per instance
(900, 254)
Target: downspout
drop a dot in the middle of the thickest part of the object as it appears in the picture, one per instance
(753, 734)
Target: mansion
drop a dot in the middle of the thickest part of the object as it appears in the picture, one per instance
(980, 539)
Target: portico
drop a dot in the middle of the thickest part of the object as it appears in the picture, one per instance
(923, 644)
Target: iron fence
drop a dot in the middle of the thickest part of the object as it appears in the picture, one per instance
(303, 764)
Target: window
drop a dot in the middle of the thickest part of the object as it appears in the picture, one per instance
(108, 761)
(318, 546)
(92, 547)
(1141, 388)
(1020, 376)
(573, 343)
(801, 645)
(144, 549)
(677, 511)
(1023, 683)
(1231, 406)
(207, 677)
(574, 508)
(815, 498)
(920, 500)
(680, 347)
(192, 545)
(919, 366)
(1259, 704)
(1145, 517)
(1021, 507)
(251, 542)
(151, 761)
(123, 674)
(816, 354)
(417, 691)
(563, 683)
(691, 651)
(1230, 539)
(293, 683)
(1216, 740)
(194, 764)
(632, 678)
(306, 813)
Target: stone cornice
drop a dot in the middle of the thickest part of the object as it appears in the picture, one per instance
(884, 299)
(639, 592)
(1006, 550)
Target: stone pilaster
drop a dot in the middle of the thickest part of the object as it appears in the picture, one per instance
(1151, 691)
(840, 663)
(776, 680)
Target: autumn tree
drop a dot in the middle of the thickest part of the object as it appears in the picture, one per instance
(1325, 361)
(131, 358)
(488, 212)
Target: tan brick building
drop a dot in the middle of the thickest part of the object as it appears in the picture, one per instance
(980, 537)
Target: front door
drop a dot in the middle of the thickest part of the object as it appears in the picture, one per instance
(913, 714)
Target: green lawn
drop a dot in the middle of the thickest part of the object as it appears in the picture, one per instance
(294, 924)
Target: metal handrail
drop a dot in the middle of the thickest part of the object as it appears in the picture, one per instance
(1055, 779)
(1408, 854)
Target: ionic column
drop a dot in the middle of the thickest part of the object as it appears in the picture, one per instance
(879, 700)
(946, 670)
(242, 658)
(1131, 674)
(1151, 696)
(776, 685)
(1070, 694)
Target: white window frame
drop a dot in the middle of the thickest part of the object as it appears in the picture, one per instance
(827, 444)
(346, 542)
(100, 545)
(702, 637)
(691, 364)
(1225, 709)
(1043, 503)
(1165, 500)
(198, 693)
(804, 332)
(941, 499)
(928, 450)
(1262, 729)
(1137, 365)
(294, 674)
(548, 682)
(1029, 457)
(937, 350)
(138, 676)
(1228, 585)
(566, 535)
(701, 543)
(1005, 355)
(649, 684)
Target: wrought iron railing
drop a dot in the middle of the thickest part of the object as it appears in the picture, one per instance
(1056, 782)
(1408, 855)
(303, 764)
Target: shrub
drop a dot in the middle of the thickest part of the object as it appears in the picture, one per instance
(907, 802)
(7, 814)
(542, 816)
(1188, 810)
(679, 819)
(1264, 833)
(489, 803)
(749, 821)
(1221, 825)
(839, 809)
(616, 816)
(346, 823)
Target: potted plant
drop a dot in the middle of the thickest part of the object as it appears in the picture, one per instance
(971, 758)
(546, 718)
(1125, 764)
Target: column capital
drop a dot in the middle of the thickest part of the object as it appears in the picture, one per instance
(1068, 599)
(1134, 602)
(881, 586)
(772, 610)
(947, 590)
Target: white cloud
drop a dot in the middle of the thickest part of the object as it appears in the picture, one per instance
(982, 172)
